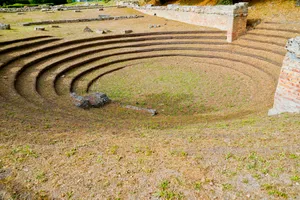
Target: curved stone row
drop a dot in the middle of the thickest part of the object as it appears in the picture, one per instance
(57, 58)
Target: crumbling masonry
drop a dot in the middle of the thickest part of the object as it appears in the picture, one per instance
(232, 18)
(287, 96)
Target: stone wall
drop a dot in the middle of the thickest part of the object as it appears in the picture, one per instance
(100, 18)
(232, 19)
(54, 8)
(287, 96)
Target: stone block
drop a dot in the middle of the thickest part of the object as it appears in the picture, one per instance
(126, 31)
(39, 28)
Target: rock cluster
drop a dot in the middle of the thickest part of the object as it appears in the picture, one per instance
(94, 100)
(154, 26)
(104, 31)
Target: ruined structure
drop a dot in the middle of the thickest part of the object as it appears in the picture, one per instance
(287, 96)
(232, 18)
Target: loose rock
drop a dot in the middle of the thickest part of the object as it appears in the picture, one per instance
(87, 29)
(55, 26)
(127, 31)
(154, 26)
(39, 28)
(152, 111)
(104, 31)
(94, 100)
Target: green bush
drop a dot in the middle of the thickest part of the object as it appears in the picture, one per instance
(225, 2)
(22, 2)
(19, 5)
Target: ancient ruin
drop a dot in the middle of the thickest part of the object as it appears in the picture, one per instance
(287, 96)
(232, 19)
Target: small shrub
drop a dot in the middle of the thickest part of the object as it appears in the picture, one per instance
(225, 2)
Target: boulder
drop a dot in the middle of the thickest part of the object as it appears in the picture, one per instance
(95, 100)
(4, 26)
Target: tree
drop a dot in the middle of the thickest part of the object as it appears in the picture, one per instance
(298, 3)
(6, 2)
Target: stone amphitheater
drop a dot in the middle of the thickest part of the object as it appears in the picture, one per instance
(38, 73)
(41, 71)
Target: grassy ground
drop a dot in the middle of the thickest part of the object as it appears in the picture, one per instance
(123, 154)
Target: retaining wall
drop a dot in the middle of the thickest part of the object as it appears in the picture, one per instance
(232, 18)
(287, 96)
(54, 8)
(62, 21)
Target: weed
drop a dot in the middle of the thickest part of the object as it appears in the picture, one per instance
(72, 152)
(23, 152)
(41, 177)
(190, 139)
(229, 155)
(198, 186)
(245, 180)
(166, 193)
(295, 178)
(227, 186)
(113, 149)
(69, 194)
(293, 156)
(278, 193)
(164, 185)
(99, 159)
(179, 153)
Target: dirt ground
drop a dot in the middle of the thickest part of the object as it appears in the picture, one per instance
(211, 139)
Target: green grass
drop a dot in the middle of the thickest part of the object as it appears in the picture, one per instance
(171, 89)
(110, 3)
(166, 193)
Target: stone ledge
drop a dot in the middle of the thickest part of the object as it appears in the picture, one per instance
(82, 20)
